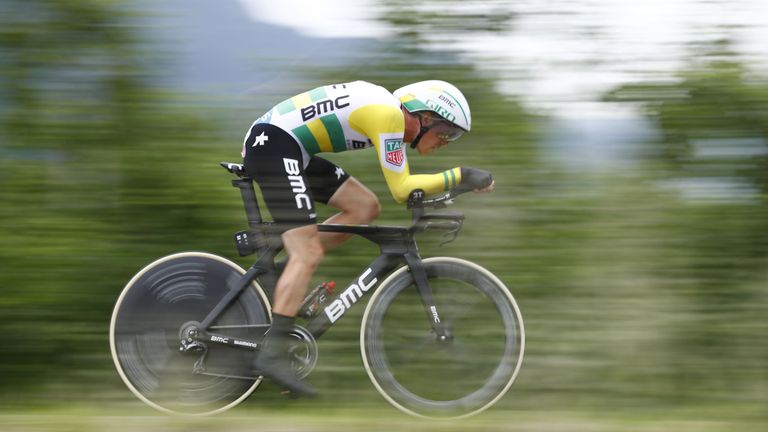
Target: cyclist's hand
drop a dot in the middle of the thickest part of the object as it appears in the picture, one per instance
(488, 188)
(476, 180)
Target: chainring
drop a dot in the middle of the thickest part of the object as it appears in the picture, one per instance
(303, 351)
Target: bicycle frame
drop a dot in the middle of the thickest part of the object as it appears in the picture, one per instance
(397, 246)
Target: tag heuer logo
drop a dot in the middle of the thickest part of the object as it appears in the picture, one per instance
(394, 151)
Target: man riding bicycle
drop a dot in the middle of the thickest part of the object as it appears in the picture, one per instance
(280, 154)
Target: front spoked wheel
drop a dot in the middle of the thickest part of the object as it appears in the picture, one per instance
(458, 377)
(148, 322)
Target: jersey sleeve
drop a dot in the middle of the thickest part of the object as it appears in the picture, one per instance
(384, 126)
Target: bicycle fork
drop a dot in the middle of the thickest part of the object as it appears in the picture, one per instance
(427, 298)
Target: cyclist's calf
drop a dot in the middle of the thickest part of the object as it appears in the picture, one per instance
(305, 252)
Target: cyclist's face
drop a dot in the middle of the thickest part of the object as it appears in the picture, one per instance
(440, 134)
(430, 142)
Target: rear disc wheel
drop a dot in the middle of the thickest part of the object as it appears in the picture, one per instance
(145, 334)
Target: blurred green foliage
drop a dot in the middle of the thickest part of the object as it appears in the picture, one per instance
(712, 117)
(100, 171)
(642, 287)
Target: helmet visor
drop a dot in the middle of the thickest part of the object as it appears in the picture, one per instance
(447, 131)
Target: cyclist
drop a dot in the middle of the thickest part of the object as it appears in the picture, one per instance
(280, 154)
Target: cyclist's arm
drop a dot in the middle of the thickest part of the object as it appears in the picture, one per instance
(384, 125)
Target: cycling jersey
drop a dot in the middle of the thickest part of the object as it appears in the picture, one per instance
(353, 116)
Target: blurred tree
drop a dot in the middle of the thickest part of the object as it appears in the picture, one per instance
(449, 19)
(713, 118)
(714, 122)
(97, 170)
(713, 150)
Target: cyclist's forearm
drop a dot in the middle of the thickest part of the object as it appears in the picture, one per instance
(401, 186)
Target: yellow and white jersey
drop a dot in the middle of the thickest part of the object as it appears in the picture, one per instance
(353, 116)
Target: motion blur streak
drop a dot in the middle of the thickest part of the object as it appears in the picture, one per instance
(635, 239)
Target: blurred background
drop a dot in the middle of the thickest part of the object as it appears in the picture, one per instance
(628, 140)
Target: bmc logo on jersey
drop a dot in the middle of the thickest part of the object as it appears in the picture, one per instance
(393, 151)
(324, 106)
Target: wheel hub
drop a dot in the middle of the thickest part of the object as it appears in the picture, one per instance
(188, 338)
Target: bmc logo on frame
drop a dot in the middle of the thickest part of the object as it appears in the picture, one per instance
(393, 151)
(350, 296)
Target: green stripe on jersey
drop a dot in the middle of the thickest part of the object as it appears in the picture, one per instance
(285, 107)
(317, 94)
(449, 178)
(335, 132)
(307, 139)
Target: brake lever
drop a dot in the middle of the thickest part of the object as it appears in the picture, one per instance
(453, 233)
(451, 229)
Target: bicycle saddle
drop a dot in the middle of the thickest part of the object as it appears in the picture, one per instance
(234, 168)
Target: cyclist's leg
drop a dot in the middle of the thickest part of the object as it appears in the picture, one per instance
(331, 185)
(305, 252)
(358, 206)
(275, 162)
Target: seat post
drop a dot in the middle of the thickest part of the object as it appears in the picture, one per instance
(250, 203)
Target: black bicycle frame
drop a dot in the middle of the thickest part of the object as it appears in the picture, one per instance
(397, 246)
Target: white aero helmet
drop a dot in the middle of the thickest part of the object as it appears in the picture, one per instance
(440, 97)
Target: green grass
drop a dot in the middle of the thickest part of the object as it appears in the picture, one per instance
(339, 419)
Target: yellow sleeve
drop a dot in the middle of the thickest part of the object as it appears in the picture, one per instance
(384, 125)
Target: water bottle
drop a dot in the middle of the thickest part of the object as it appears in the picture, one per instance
(316, 298)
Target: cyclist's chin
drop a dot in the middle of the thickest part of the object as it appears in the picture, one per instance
(425, 150)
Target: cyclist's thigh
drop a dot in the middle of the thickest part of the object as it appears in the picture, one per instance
(275, 161)
(325, 178)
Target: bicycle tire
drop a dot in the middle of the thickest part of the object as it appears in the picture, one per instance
(424, 377)
(145, 327)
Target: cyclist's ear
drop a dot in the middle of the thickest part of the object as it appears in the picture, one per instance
(429, 118)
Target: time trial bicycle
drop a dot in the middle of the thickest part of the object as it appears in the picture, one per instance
(440, 337)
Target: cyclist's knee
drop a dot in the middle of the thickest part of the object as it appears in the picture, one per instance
(312, 253)
(371, 209)
(367, 206)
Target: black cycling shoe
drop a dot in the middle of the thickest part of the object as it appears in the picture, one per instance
(274, 363)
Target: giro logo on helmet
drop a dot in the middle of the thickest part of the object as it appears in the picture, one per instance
(441, 110)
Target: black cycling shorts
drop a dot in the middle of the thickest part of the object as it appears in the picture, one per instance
(274, 160)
